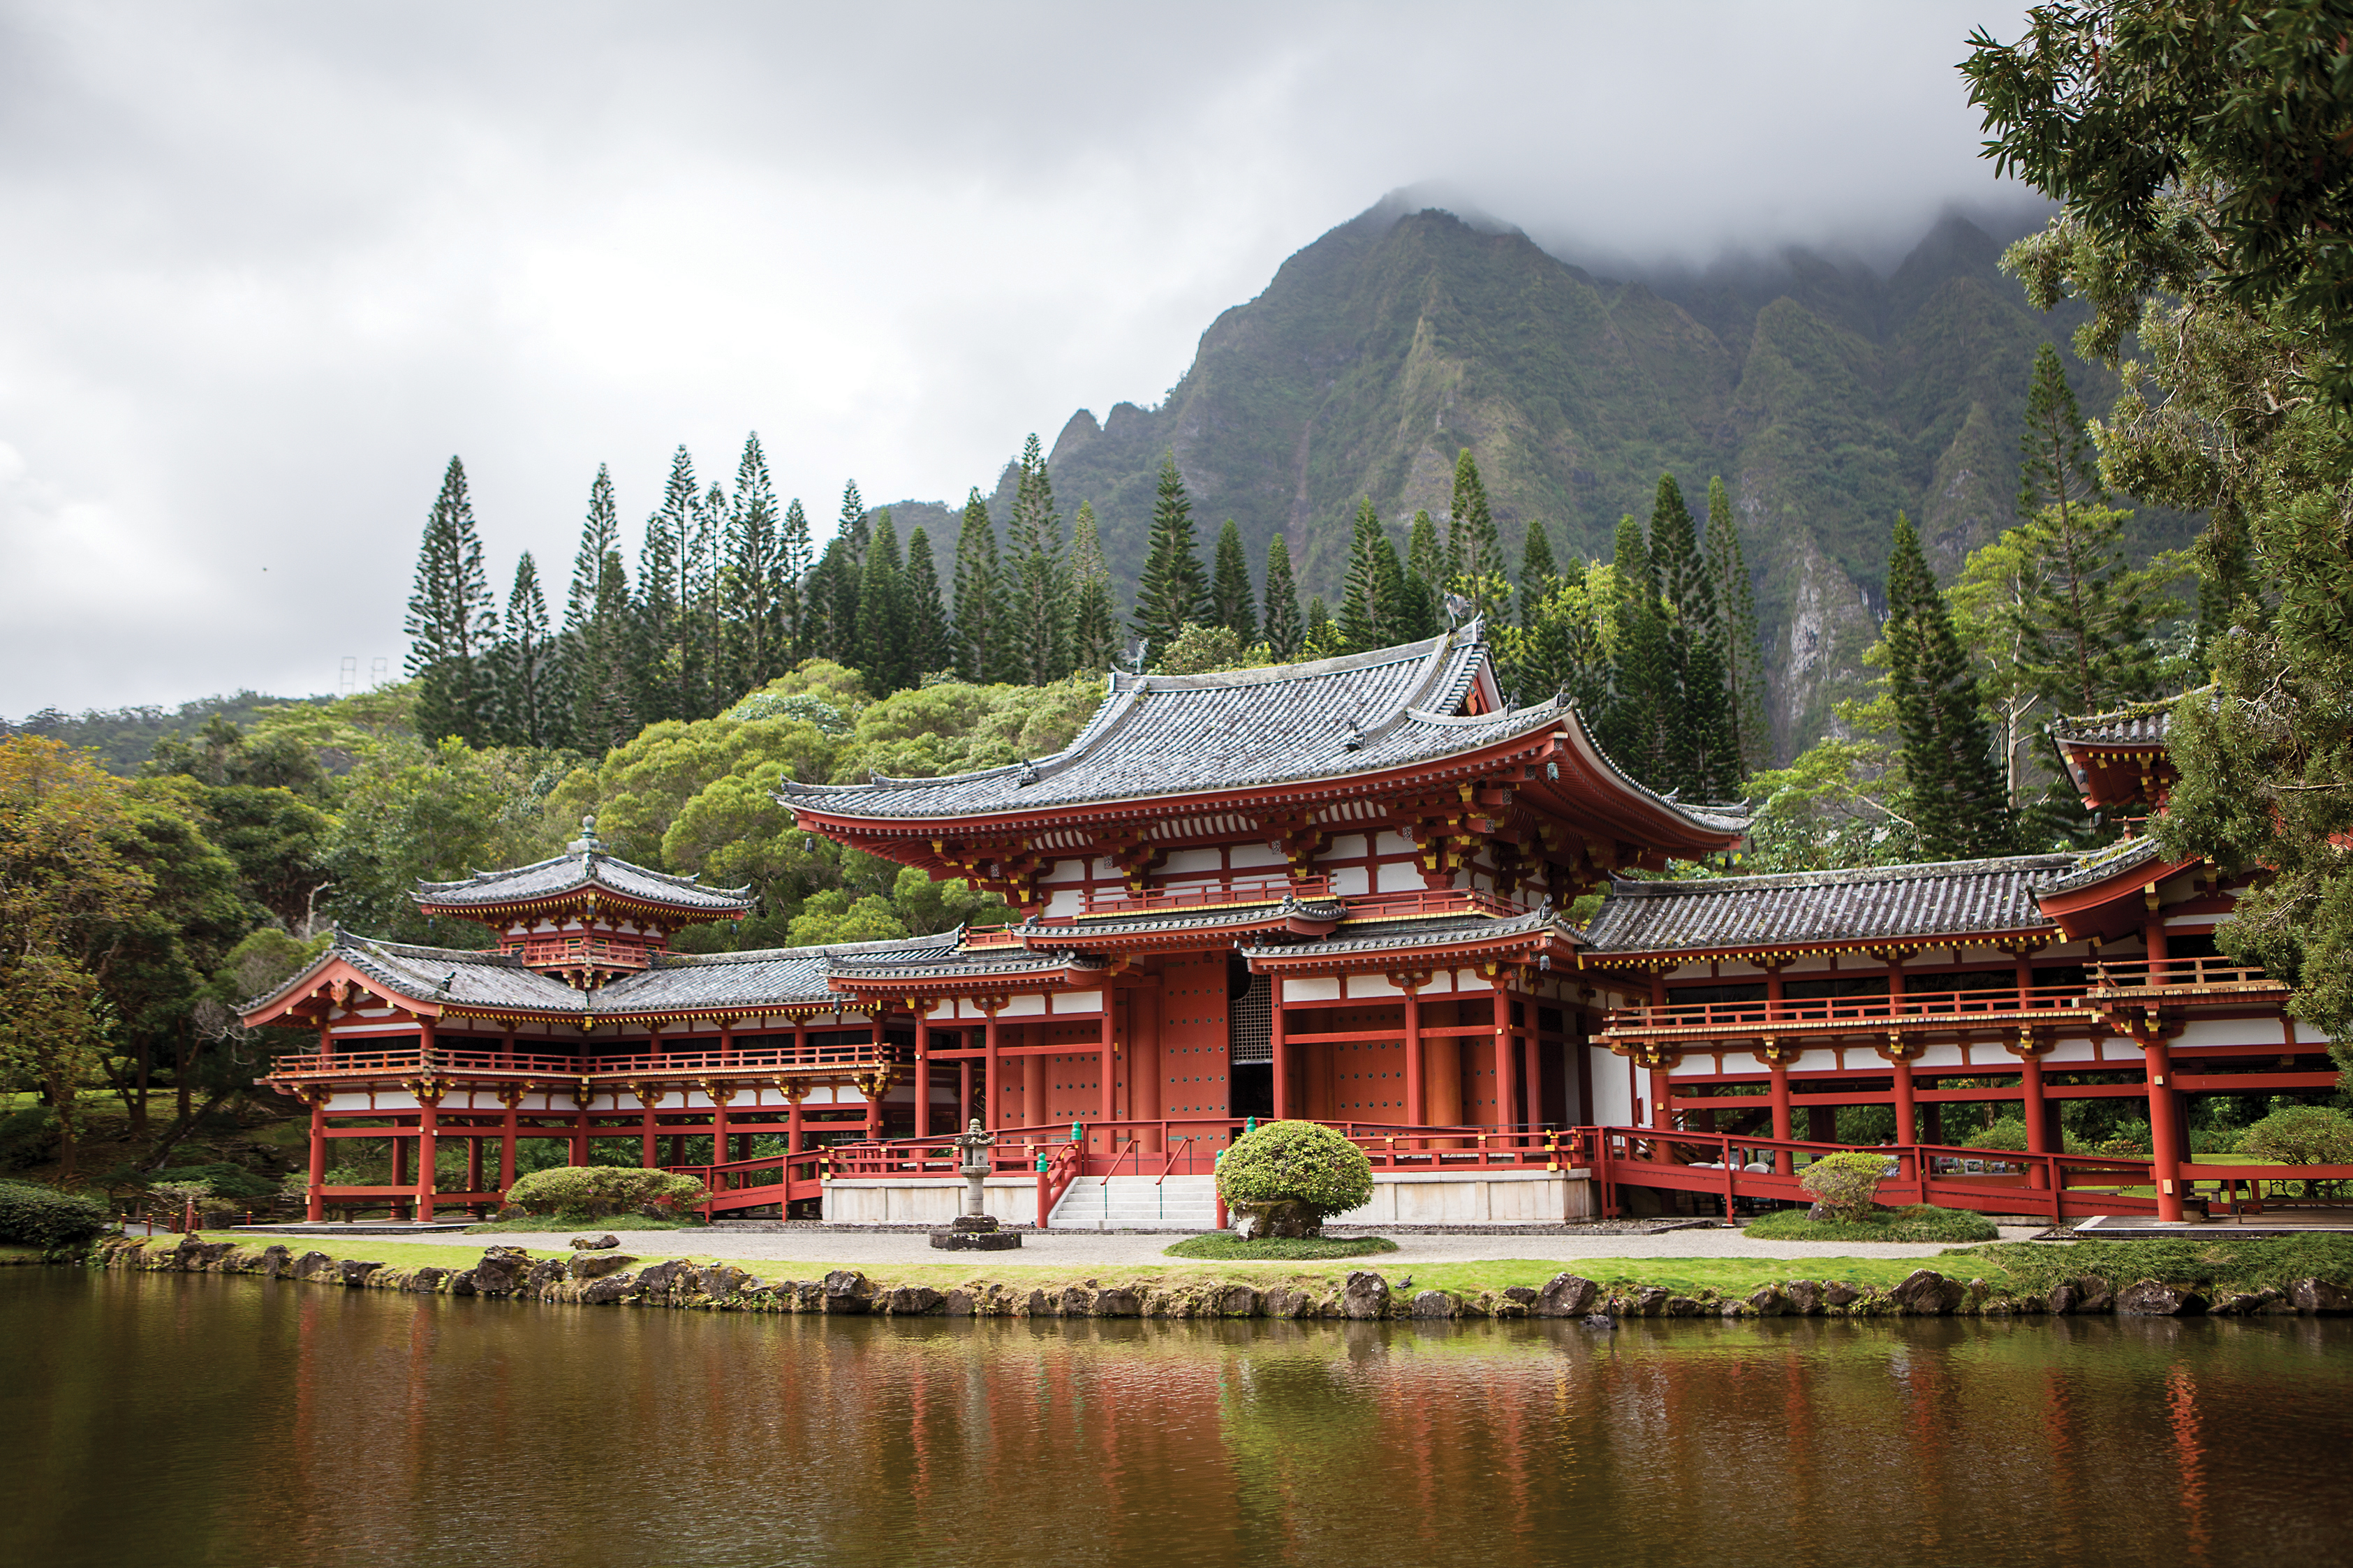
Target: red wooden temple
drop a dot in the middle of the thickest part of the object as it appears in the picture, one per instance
(1335, 890)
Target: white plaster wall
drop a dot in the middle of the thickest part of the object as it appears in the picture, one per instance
(2230, 1032)
(1066, 902)
(1257, 856)
(1032, 1006)
(1483, 1197)
(1182, 861)
(1363, 985)
(2306, 1034)
(1350, 880)
(1946, 1055)
(1400, 876)
(1613, 1098)
(1312, 988)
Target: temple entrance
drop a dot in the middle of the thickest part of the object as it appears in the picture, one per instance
(1251, 1090)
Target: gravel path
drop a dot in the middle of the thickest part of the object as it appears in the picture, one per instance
(1080, 1249)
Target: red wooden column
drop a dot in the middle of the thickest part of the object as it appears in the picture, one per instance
(719, 1093)
(1531, 1061)
(793, 1097)
(1777, 1062)
(2166, 1139)
(1417, 1087)
(1282, 1053)
(508, 1097)
(1105, 1049)
(314, 1207)
(963, 1090)
(428, 1124)
(1898, 1053)
(992, 1087)
(647, 1097)
(923, 1065)
(1503, 1003)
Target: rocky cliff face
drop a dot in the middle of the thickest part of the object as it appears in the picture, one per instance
(1827, 396)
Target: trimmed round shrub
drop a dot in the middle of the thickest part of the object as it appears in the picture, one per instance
(43, 1217)
(1846, 1184)
(2301, 1135)
(1301, 1167)
(578, 1192)
(2009, 1134)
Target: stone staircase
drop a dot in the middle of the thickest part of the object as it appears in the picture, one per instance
(1135, 1203)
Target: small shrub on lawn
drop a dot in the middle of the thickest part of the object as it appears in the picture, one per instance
(578, 1194)
(41, 1216)
(1845, 1184)
(1296, 1162)
(1922, 1222)
(1229, 1247)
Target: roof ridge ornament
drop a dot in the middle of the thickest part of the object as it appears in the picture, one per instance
(587, 843)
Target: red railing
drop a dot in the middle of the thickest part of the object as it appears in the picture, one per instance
(1734, 1166)
(2181, 975)
(606, 1071)
(1431, 901)
(599, 952)
(1798, 1013)
(778, 1179)
(1266, 891)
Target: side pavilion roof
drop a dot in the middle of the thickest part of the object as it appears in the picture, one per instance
(571, 876)
(1894, 905)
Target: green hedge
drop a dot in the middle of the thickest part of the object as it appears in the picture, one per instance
(582, 1193)
(1922, 1222)
(1296, 1162)
(42, 1216)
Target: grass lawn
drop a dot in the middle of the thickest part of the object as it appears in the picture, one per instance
(1229, 1248)
(1921, 1222)
(543, 1224)
(15, 1252)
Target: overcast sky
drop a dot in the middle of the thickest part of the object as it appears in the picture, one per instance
(265, 268)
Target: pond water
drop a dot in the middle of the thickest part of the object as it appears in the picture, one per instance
(158, 1419)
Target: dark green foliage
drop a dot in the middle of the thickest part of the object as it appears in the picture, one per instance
(1321, 639)
(981, 632)
(1173, 591)
(594, 661)
(579, 1193)
(833, 584)
(1040, 595)
(125, 738)
(1230, 588)
(1743, 661)
(1284, 630)
(666, 667)
(794, 559)
(1094, 620)
(29, 1136)
(883, 621)
(1959, 809)
(2217, 1263)
(929, 650)
(452, 627)
(43, 1218)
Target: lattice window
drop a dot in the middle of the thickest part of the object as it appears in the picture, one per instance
(1250, 1024)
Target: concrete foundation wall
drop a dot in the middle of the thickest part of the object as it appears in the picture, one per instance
(929, 1201)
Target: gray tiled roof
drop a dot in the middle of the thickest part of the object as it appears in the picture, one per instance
(2142, 724)
(1171, 922)
(961, 963)
(1437, 930)
(779, 977)
(573, 873)
(1887, 903)
(2125, 855)
(1159, 735)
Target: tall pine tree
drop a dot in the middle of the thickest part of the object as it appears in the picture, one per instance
(1041, 597)
(982, 637)
(1735, 607)
(1425, 580)
(883, 611)
(529, 693)
(665, 668)
(1173, 591)
(1699, 759)
(1230, 601)
(452, 622)
(585, 640)
(929, 647)
(1474, 557)
(1094, 618)
(1958, 807)
(1372, 610)
(1537, 573)
(843, 581)
(1284, 630)
(755, 594)
(795, 559)
(1631, 731)
(602, 684)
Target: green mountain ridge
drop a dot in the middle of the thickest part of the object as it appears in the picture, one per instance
(1827, 396)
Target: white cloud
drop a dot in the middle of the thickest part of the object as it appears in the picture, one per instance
(270, 264)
